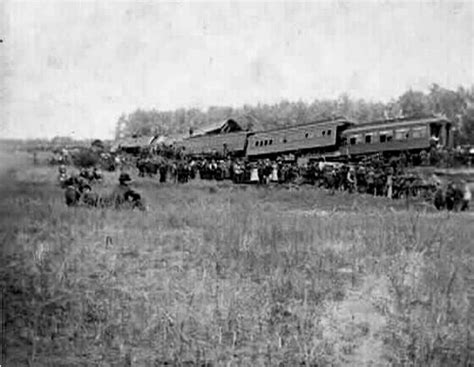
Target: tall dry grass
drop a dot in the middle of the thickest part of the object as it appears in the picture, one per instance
(218, 274)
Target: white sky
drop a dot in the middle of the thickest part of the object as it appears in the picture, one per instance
(71, 68)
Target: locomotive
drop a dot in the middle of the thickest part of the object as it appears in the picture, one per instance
(334, 139)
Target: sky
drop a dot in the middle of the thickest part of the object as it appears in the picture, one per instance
(71, 68)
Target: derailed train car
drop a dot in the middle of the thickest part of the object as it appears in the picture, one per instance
(222, 145)
(337, 138)
(396, 135)
(315, 137)
(222, 139)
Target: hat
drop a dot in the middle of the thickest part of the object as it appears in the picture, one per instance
(124, 177)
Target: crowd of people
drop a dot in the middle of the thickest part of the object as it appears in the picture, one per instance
(375, 176)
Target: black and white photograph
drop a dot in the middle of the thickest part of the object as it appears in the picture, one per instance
(236, 183)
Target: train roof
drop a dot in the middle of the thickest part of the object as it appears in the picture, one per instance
(396, 122)
(339, 120)
(243, 122)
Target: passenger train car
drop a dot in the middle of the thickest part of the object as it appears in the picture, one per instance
(233, 143)
(225, 138)
(337, 138)
(391, 136)
(315, 137)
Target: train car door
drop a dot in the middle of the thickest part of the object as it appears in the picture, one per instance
(435, 132)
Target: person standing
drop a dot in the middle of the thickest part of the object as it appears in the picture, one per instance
(467, 195)
(389, 186)
(351, 180)
(370, 179)
(163, 171)
(254, 173)
(450, 196)
(274, 174)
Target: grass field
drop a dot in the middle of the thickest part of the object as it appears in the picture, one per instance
(224, 275)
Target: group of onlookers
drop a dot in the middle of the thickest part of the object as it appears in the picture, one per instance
(374, 175)
(78, 190)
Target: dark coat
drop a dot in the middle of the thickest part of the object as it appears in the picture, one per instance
(72, 196)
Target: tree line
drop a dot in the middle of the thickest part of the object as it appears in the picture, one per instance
(456, 105)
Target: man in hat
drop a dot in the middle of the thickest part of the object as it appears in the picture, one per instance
(450, 196)
(74, 187)
(370, 180)
(90, 198)
(123, 194)
(72, 195)
(118, 194)
(163, 169)
(63, 176)
(97, 174)
(351, 180)
(439, 198)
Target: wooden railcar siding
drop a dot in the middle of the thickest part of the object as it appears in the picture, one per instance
(395, 145)
(293, 139)
(383, 127)
(235, 142)
(409, 141)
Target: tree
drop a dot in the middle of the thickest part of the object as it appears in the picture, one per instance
(446, 102)
(453, 104)
(414, 103)
(466, 130)
(85, 158)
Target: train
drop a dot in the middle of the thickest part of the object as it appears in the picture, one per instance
(336, 138)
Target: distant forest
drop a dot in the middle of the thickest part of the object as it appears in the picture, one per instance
(457, 105)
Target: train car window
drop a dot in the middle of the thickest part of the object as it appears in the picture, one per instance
(368, 138)
(284, 140)
(270, 142)
(419, 132)
(256, 143)
(324, 132)
(266, 142)
(353, 141)
(385, 136)
(401, 134)
(329, 132)
(306, 135)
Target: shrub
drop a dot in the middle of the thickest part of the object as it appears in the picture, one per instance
(85, 159)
